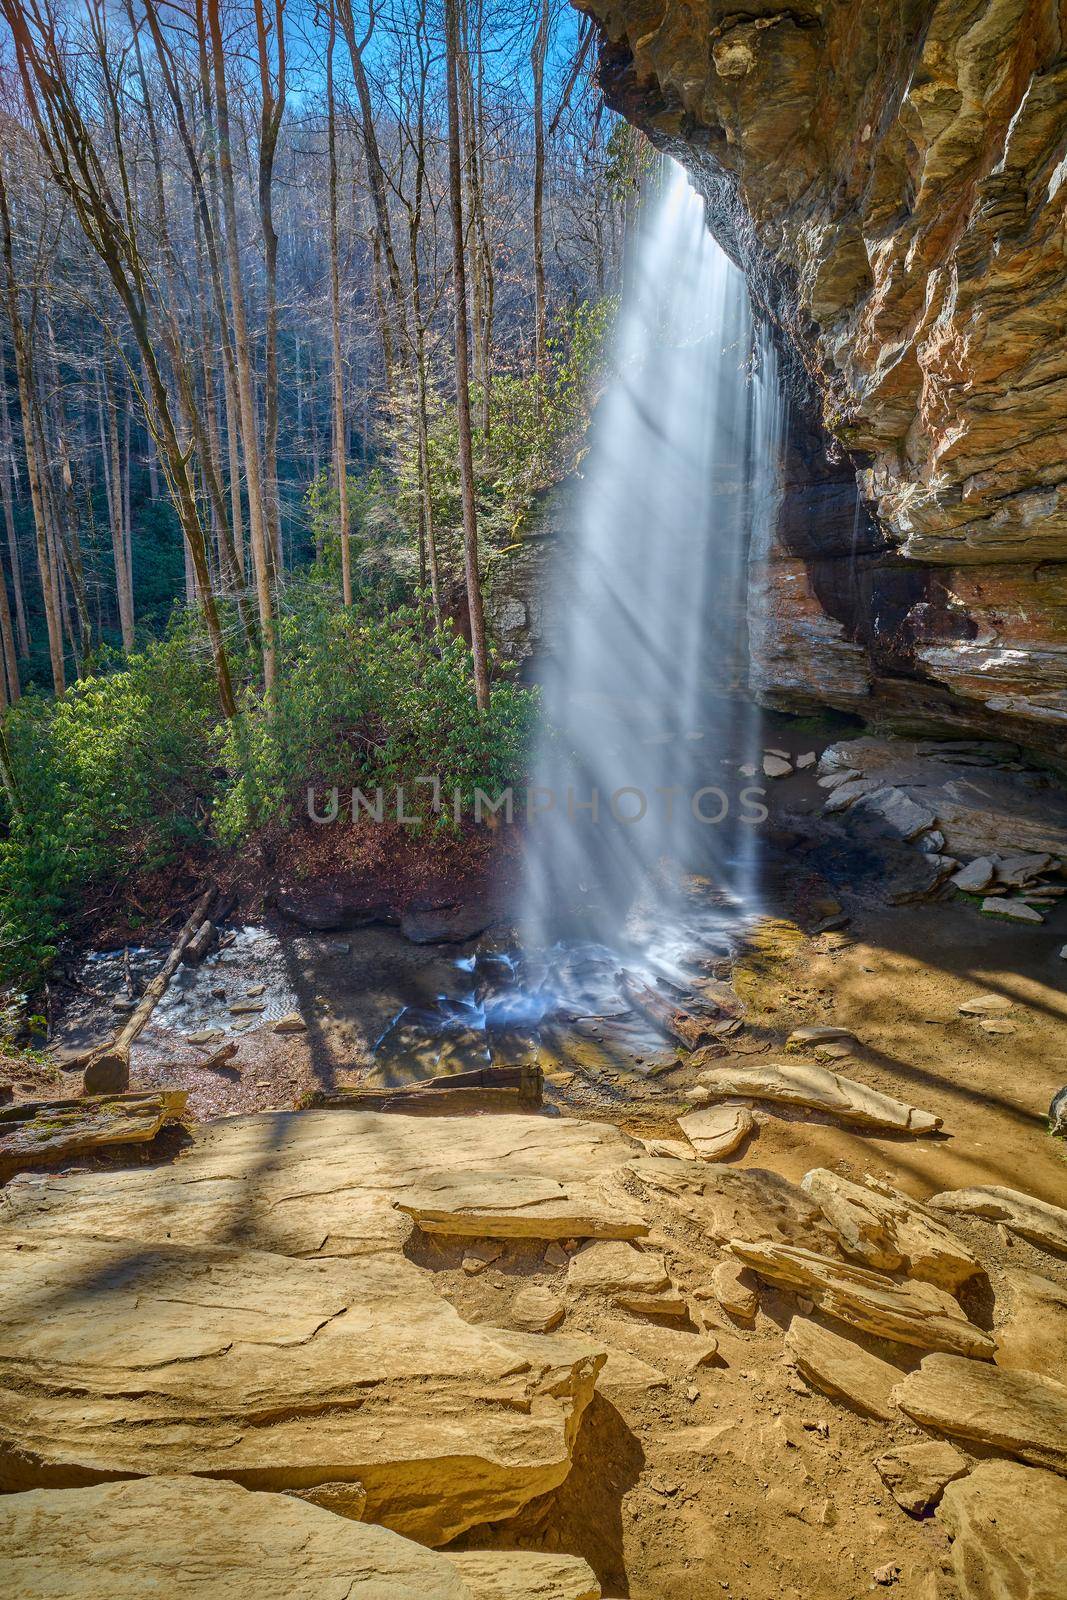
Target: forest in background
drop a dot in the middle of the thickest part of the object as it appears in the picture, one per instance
(303, 309)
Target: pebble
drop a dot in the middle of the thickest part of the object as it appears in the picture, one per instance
(775, 767)
(985, 1005)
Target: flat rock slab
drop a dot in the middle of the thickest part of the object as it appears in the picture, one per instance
(1020, 1413)
(246, 1546)
(42, 1132)
(1008, 1526)
(842, 1369)
(194, 1537)
(342, 1183)
(1035, 1220)
(910, 1313)
(802, 1083)
(718, 1130)
(889, 1231)
(119, 1357)
(917, 1474)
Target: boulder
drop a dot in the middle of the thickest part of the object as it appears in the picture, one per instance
(450, 923)
(910, 1313)
(888, 1231)
(917, 1474)
(1032, 1219)
(802, 1083)
(1018, 1413)
(125, 1358)
(717, 1131)
(1032, 1336)
(1008, 1526)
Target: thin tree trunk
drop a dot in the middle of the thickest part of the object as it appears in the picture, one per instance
(273, 109)
(6, 490)
(340, 454)
(242, 350)
(538, 55)
(463, 404)
(113, 479)
(25, 384)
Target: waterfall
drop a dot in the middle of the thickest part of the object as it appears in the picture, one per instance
(648, 728)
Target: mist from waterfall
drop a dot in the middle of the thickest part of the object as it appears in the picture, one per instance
(645, 706)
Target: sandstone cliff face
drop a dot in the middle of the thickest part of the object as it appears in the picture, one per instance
(893, 178)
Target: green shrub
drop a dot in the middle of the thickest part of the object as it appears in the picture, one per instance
(367, 701)
(117, 773)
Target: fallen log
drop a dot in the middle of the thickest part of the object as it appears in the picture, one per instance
(107, 1069)
(670, 1019)
(43, 1132)
(454, 1094)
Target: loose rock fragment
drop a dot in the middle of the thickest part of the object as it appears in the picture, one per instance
(911, 1313)
(802, 1083)
(536, 1309)
(842, 1369)
(718, 1131)
(735, 1289)
(1008, 1525)
(1033, 1219)
(292, 1022)
(1021, 1413)
(975, 876)
(612, 1266)
(888, 1231)
(1010, 910)
(985, 1005)
(815, 1033)
(917, 1474)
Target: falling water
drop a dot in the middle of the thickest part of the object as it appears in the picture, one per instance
(646, 714)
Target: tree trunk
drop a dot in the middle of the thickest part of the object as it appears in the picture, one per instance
(463, 400)
(272, 109)
(538, 54)
(113, 482)
(243, 353)
(7, 485)
(25, 384)
(340, 460)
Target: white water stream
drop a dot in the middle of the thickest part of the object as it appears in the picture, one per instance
(648, 723)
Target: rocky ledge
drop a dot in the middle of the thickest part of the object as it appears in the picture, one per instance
(891, 180)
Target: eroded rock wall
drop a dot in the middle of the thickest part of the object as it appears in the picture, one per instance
(893, 179)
